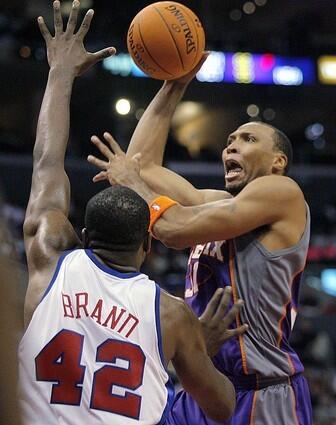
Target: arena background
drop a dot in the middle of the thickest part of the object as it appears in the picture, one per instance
(278, 62)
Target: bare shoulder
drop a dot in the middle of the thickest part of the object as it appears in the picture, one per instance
(176, 309)
(46, 239)
(180, 327)
(275, 187)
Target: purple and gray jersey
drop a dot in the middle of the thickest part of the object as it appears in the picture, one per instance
(264, 369)
(268, 282)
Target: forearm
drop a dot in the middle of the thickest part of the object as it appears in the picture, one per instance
(50, 184)
(54, 120)
(150, 135)
(182, 227)
(218, 400)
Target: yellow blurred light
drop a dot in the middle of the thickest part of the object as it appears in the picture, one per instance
(327, 69)
(243, 68)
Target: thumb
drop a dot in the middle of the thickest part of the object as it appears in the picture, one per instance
(104, 53)
(201, 62)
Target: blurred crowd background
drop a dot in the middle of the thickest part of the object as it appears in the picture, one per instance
(271, 60)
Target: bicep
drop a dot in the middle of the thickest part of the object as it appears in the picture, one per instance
(211, 195)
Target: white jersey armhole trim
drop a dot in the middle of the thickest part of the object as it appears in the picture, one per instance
(169, 385)
(158, 325)
(49, 287)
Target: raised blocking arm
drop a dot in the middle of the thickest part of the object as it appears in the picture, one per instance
(47, 231)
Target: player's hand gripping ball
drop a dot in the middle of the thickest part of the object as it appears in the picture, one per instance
(166, 40)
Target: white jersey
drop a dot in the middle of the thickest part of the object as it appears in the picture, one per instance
(92, 353)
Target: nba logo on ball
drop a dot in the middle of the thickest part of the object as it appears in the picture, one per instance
(166, 40)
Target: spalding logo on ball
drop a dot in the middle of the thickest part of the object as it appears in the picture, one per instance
(166, 40)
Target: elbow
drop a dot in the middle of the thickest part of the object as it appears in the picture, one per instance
(230, 404)
(222, 410)
(169, 237)
(222, 414)
(229, 408)
(220, 417)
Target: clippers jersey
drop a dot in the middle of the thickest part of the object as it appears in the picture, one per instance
(268, 282)
(92, 353)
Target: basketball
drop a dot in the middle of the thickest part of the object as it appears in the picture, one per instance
(166, 40)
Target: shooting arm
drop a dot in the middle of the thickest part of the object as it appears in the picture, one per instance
(150, 135)
(150, 138)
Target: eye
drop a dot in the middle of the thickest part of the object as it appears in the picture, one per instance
(251, 139)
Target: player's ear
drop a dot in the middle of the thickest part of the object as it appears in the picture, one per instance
(147, 243)
(85, 238)
(279, 163)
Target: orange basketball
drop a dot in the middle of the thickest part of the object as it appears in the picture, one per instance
(166, 40)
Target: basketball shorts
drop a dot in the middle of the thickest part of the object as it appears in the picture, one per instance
(285, 403)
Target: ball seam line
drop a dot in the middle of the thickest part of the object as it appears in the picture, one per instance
(147, 50)
(178, 51)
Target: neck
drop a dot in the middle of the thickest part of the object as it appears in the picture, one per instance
(121, 261)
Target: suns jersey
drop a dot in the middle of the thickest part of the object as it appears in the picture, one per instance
(92, 353)
(269, 283)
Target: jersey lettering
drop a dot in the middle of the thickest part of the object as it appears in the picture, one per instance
(211, 249)
(115, 318)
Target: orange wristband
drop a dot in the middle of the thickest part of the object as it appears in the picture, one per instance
(157, 207)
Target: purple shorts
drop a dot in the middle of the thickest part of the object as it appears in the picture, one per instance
(283, 404)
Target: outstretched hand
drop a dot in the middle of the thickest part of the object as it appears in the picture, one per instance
(216, 320)
(66, 49)
(117, 168)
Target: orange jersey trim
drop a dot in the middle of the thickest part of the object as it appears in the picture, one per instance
(285, 307)
(254, 402)
(235, 299)
(294, 406)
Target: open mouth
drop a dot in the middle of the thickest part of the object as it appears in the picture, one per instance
(232, 169)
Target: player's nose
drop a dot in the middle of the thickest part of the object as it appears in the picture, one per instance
(232, 148)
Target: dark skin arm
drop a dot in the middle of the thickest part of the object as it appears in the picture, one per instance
(185, 347)
(274, 201)
(47, 230)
